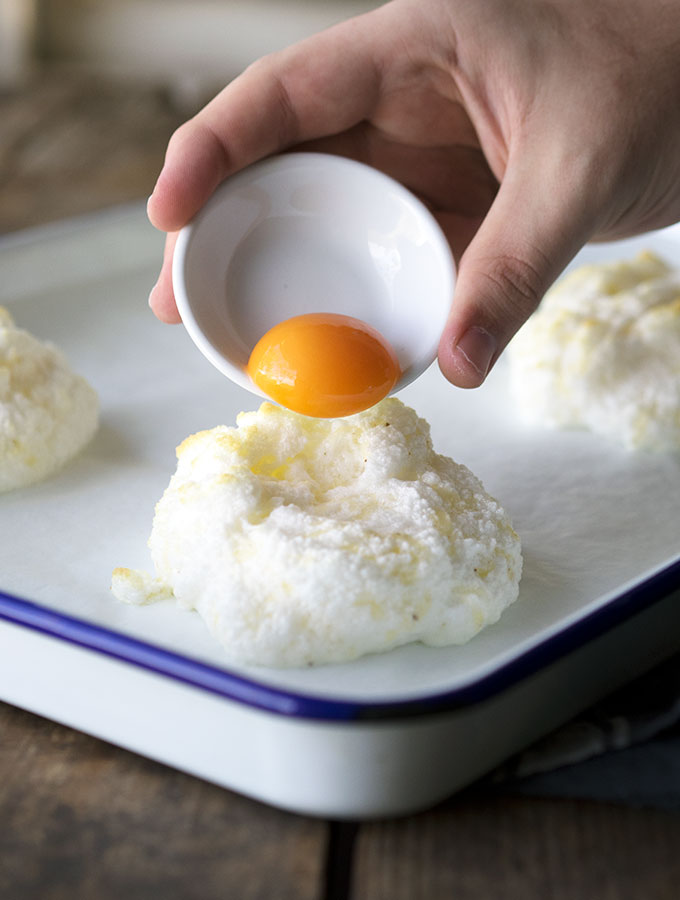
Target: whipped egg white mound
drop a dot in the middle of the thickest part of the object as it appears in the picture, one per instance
(603, 352)
(47, 412)
(306, 541)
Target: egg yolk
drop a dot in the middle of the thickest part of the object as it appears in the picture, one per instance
(324, 365)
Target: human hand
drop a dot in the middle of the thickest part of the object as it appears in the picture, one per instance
(527, 127)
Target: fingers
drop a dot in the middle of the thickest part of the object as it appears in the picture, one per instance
(318, 87)
(162, 297)
(534, 227)
(195, 163)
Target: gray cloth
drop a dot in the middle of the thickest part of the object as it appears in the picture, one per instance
(625, 749)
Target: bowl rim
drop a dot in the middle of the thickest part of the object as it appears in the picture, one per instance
(186, 235)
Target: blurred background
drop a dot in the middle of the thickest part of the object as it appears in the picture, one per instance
(91, 90)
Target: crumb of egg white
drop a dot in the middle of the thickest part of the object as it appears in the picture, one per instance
(48, 413)
(602, 352)
(138, 588)
(309, 541)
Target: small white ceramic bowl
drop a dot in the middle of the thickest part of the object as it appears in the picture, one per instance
(310, 232)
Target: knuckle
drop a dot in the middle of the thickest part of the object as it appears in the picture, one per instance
(514, 281)
(178, 136)
(197, 134)
(274, 71)
(288, 123)
(182, 134)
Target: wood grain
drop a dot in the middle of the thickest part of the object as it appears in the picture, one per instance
(83, 819)
(71, 144)
(495, 848)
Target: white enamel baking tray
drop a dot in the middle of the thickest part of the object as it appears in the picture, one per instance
(388, 734)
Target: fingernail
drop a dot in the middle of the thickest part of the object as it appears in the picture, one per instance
(478, 347)
(151, 293)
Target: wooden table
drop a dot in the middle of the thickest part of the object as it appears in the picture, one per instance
(82, 819)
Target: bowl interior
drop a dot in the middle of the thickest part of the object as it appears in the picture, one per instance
(312, 233)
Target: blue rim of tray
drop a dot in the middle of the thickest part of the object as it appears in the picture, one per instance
(249, 692)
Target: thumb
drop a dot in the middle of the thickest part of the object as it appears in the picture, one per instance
(533, 228)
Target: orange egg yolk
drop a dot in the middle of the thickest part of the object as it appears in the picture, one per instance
(324, 365)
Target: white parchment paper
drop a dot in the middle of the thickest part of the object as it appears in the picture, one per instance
(594, 519)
